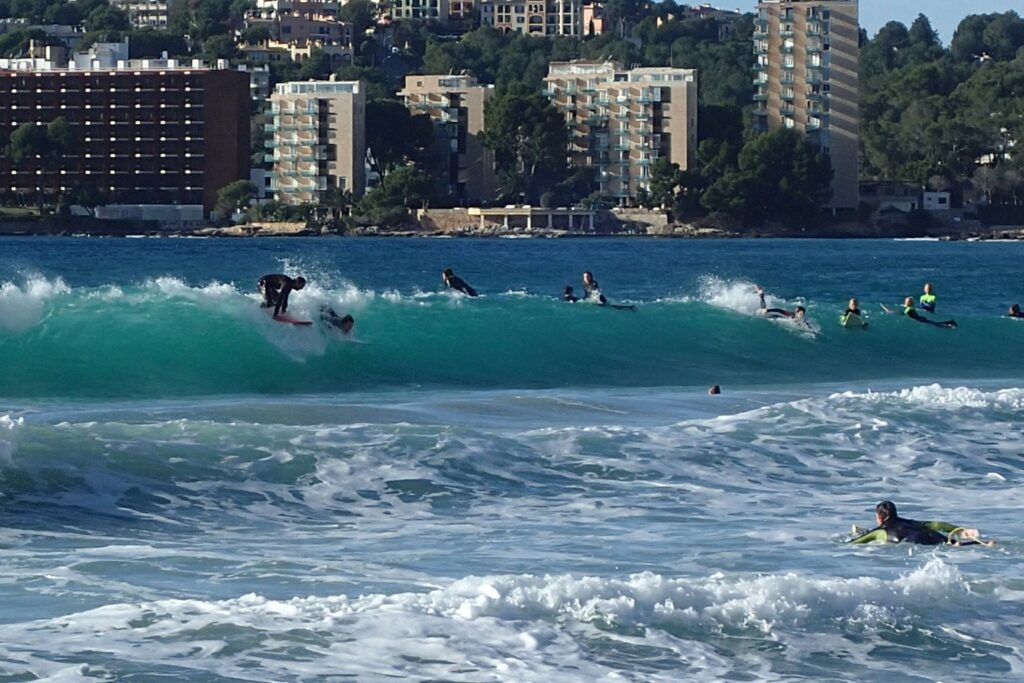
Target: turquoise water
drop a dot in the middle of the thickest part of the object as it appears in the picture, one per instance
(506, 488)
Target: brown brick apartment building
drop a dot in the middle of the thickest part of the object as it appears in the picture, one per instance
(141, 136)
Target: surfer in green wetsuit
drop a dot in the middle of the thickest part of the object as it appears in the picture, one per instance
(275, 289)
(911, 312)
(895, 529)
(927, 300)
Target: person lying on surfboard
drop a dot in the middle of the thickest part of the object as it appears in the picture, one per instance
(453, 281)
(911, 312)
(895, 529)
(797, 314)
(275, 289)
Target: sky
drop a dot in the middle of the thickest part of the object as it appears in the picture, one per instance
(874, 14)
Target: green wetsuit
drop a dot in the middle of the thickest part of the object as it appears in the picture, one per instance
(898, 530)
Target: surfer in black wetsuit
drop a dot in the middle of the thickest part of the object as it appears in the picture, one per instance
(1014, 311)
(796, 314)
(895, 529)
(592, 291)
(911, 312)
(345, 323)
(275, 289)
(569, 296)
(852, 308)
(453, 281)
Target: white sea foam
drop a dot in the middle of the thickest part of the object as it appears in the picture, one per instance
(493, 628)
(937, 396)
(23, 306)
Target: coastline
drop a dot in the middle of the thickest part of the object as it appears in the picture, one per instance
(98, 228)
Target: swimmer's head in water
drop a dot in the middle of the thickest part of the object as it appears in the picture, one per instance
(1014, 309)
(799, 313)
(300, 282)
(927, 288)
(909, 302)
(853, 304)
(885, 511)
(347, 323)
(448, 273)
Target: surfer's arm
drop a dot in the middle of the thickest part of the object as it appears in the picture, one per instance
(874, 536)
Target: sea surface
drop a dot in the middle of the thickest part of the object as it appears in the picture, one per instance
(506, 488)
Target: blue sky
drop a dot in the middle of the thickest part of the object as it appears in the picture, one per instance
(944, 14)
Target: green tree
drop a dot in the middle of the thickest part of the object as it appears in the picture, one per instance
(219, 47)
(780, 177)
(27, 142)
(234, 197)
(107, 19)
(394, 136)
(666, 183)
(529, 140)
(388, 203)
(360, 14)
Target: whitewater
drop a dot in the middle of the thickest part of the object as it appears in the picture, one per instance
(507, 488)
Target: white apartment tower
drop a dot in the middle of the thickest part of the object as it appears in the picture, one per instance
(622, 120)
(317, 140)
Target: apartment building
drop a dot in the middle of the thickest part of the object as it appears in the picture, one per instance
(463, 166)
(148, 132)
(807, 56)
(534, 18)
(147, 13)
(622, 120)
(423, 10)
(317, 140)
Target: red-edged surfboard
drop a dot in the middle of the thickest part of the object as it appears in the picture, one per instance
(285, 318)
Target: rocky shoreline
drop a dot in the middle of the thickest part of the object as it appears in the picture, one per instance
(668, 231)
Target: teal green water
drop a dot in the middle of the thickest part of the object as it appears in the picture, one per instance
(507, 488)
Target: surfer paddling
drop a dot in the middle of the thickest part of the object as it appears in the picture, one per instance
(275, 289)
(911, 312)
(453, 281)
(796, 315)
(895, 529)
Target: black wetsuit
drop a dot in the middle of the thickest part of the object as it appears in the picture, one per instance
(570, 298)
(914, 315)
(593, 291)
(457, 283)
(275, 289)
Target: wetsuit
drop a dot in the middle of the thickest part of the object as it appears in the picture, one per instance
(775, 312)
(570, 298)
(275, 289)
(851, 311)
(914, 315)
(898, 530)
(457, 283)
(928, 302)
(1015, 314)
(593, 291)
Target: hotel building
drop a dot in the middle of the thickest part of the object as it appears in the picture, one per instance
(463, 166)
(622, 120)
(143, 133)
(805, 79)
(317, 140)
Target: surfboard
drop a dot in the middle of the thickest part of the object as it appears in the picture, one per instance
(285, 318)
(853, 322)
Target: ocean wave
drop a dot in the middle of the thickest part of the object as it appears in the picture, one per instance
(524, 627)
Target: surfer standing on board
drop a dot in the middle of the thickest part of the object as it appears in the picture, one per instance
(275, 289)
